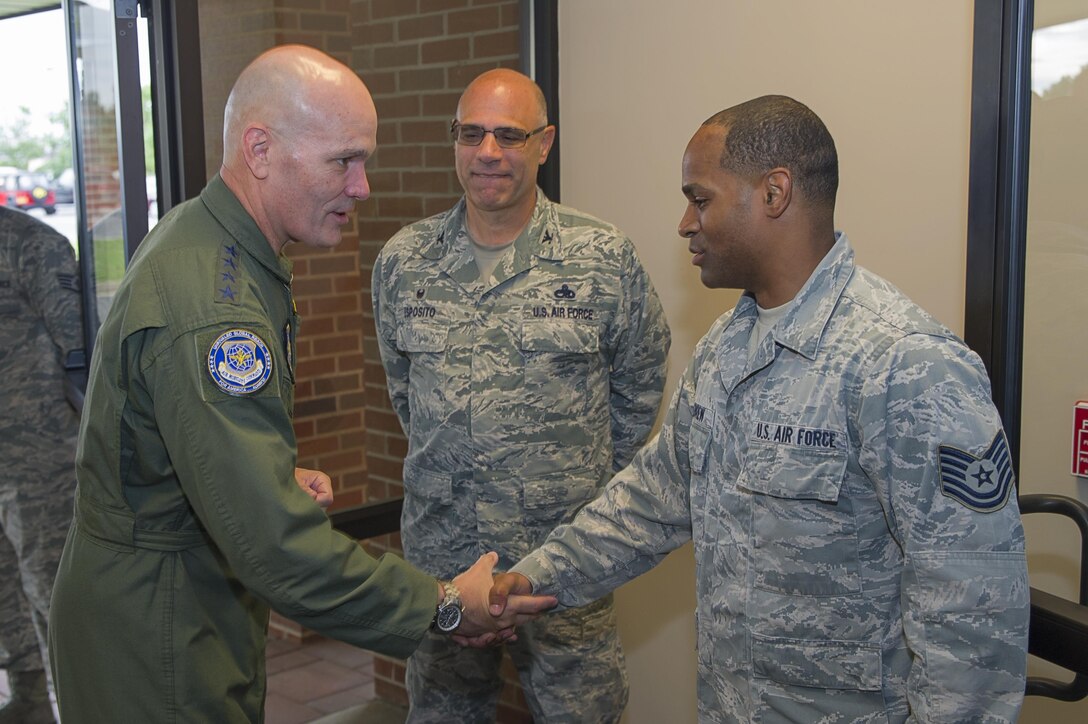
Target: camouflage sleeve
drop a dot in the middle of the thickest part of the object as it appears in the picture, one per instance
(642, 515)
(51, 283)
(382, 290)
(932, 443)
(637, 379)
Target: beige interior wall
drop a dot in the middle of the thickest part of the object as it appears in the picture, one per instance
(637, 77)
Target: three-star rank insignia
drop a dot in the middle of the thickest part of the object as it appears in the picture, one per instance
(239, 362)
(979, 483)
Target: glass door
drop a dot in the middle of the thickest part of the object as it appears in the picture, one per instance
(109, 144)
(1055, 319)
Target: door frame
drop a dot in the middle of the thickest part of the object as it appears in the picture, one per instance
(997, 200)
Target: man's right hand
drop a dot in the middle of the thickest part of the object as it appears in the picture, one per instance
(480, 627)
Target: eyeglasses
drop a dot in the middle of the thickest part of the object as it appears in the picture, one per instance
(505, 137)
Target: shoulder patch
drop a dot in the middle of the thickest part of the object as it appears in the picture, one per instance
(979, 483)
(68, 281)
(239, 362)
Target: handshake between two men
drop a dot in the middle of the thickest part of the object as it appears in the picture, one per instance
(492, 606)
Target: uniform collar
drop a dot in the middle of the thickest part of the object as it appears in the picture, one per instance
(802, 328)
(451, 245)
(228, 211)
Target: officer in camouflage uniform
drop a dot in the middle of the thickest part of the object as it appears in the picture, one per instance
(834, 454)
(525, 350)
(40, 324)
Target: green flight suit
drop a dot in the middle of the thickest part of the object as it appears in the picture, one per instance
(189, 523)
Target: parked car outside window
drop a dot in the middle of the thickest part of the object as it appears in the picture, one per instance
(25, 190)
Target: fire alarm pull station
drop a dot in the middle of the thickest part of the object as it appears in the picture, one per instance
(1080, 439)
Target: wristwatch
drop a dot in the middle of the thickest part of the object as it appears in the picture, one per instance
(447, 617)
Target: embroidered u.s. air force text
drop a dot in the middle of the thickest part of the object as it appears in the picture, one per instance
(239, 362)
(980, 483)
(585, 313)
(797, 435)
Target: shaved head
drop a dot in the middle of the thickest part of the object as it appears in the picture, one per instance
(516, 88)
(287, 87)
(298, 129)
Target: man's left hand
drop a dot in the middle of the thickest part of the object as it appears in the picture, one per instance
(316, 484)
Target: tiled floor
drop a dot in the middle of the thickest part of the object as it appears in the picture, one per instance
(322, 680)
(318, 680)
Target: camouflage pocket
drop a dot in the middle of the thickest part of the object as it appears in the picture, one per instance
(428, 484)
(420, 337)
(816, 680)
(698, 447)
(805, 531)
(565, 490)
(558, 357)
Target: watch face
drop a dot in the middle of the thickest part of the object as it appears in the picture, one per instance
(449, 618)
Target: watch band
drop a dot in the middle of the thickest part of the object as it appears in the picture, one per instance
(447, 616)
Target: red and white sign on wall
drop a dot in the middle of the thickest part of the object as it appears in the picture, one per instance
(1080, 439)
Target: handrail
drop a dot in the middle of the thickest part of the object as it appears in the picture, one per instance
(370, 520)
(1059, 627)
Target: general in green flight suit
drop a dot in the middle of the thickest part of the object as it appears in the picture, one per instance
(189, 522)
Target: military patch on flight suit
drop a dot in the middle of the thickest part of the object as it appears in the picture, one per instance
(239, 362)
(979, 483)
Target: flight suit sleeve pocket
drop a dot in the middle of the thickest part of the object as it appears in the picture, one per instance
(820, 664)
(559, 336)
(428, 484)
(421, 338)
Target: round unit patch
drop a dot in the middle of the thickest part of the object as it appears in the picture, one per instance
(239, 362)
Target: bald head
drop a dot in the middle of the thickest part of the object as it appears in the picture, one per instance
(509, 88)
(299, 128)
(289, 88)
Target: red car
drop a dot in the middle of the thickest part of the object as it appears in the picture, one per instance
(25, 190)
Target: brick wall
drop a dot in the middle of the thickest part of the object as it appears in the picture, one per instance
(329, 401)
(416, 56)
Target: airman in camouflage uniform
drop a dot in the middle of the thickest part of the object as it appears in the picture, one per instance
(40, 324)
(521, 392)
(843, 473)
